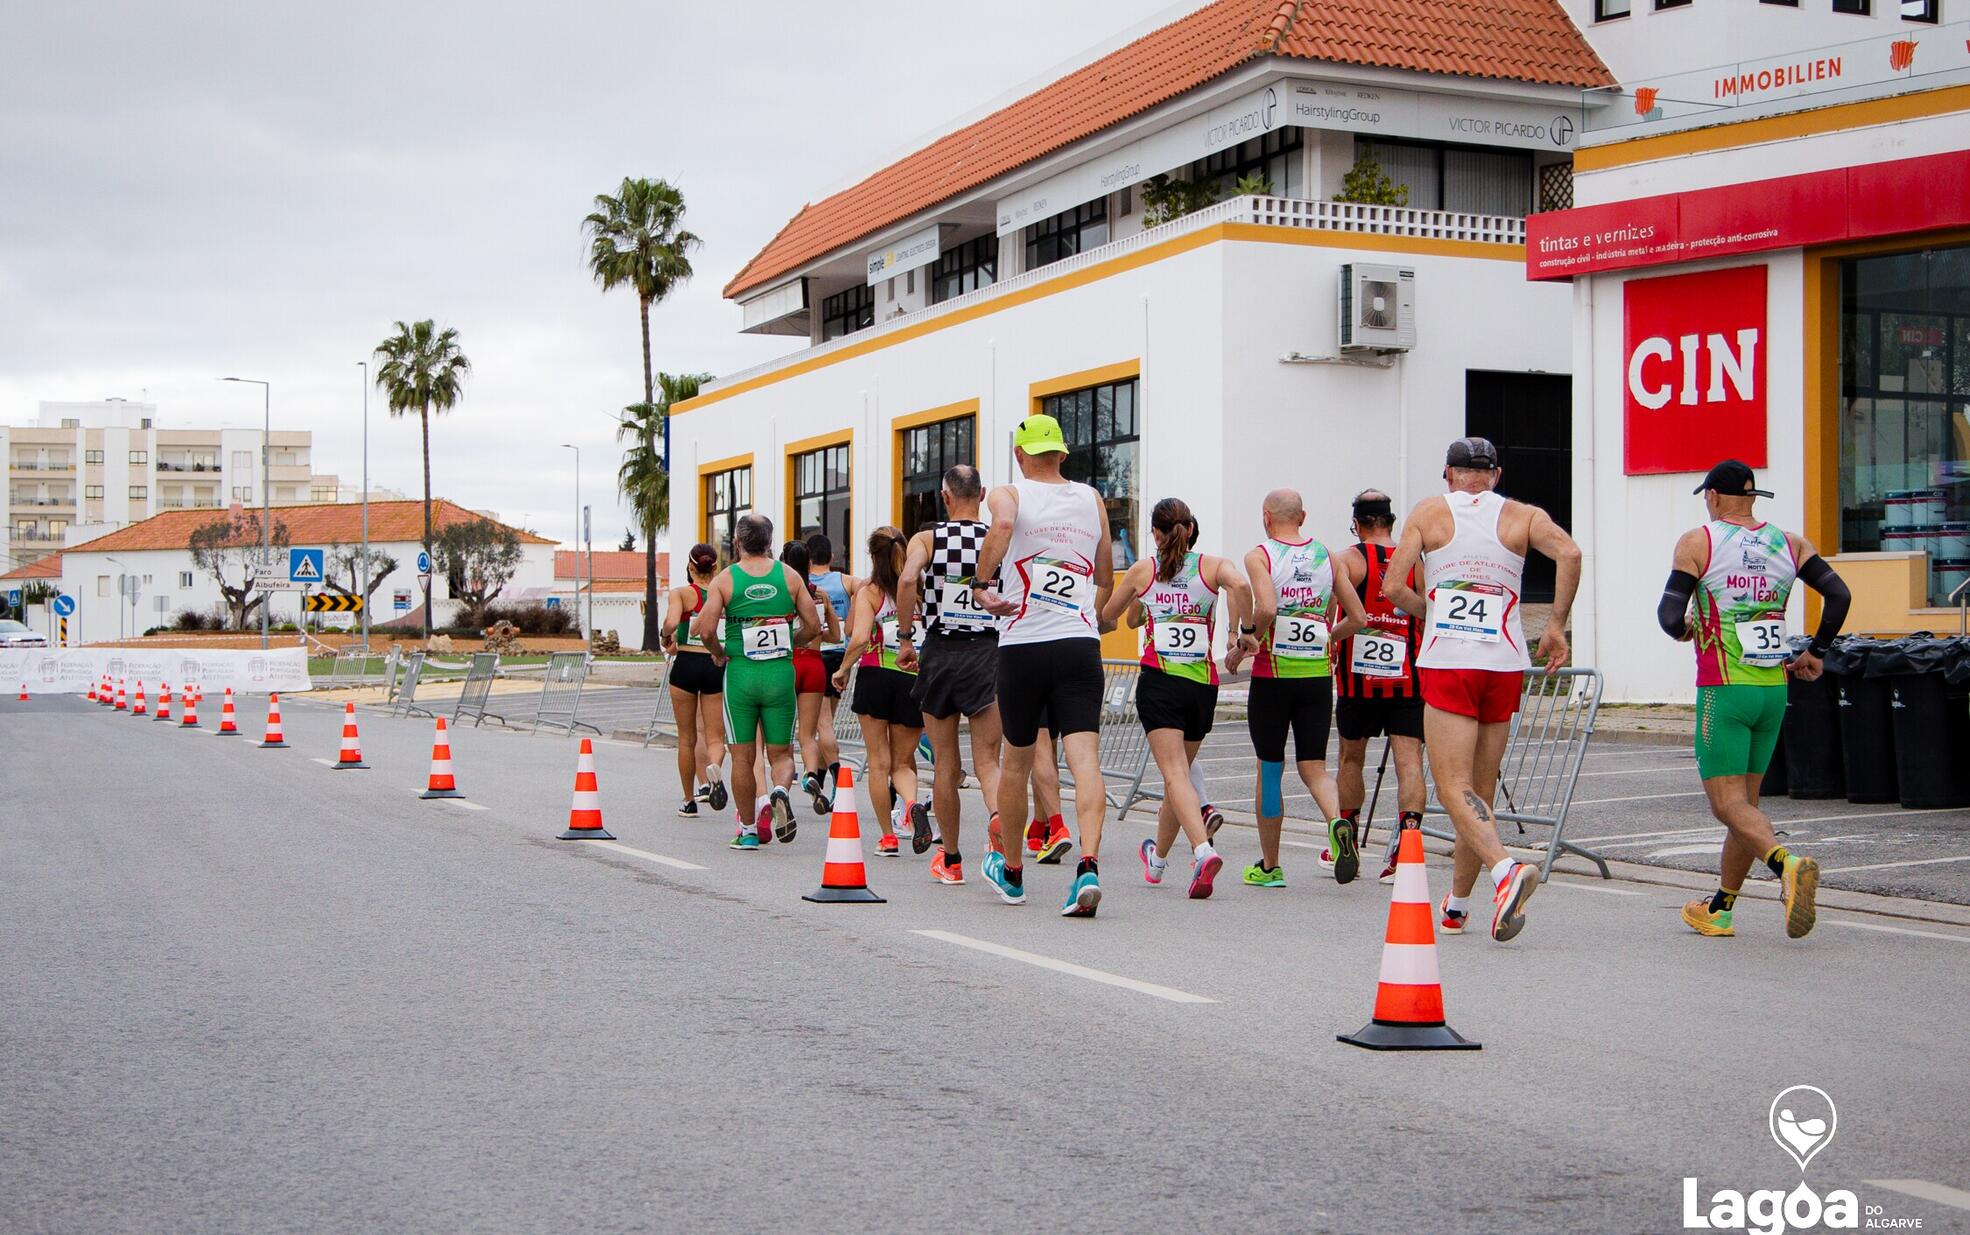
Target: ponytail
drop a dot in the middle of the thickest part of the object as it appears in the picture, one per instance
(1173, 519)
(886, 555)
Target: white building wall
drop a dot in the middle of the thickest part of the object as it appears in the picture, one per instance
(1653, 42)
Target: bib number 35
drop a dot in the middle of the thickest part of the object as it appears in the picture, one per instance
(1761, 642)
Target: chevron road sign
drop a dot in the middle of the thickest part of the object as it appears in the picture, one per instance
(324, 602)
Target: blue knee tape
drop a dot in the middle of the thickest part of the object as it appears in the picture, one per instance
(1271, 805)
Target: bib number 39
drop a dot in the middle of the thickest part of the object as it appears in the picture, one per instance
(1379, 656)
(1469, 611)
(1181, 642)
(1761, 643)
(1062, 586)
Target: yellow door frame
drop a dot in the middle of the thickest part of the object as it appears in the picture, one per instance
(808, 445)
(1122, 643)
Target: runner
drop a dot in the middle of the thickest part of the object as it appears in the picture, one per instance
(1176, 693)
(818, 753)
(1047, 838)
(697, 686)
(1472, 545)
(1294, 594)
(837, 587)
(1740, 569)
(958, 675)
(762, 598)
(1052, 534)
(1377, 690)
(891, 722)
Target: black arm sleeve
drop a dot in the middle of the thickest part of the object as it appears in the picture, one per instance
(1818, 575)
(1672, 610)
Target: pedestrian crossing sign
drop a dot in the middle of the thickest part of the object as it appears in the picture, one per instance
(304, 566)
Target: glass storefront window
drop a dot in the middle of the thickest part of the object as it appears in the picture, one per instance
(1102, 433)
(727, 495)
(928, 451)
(821, 496)
(1905, 409)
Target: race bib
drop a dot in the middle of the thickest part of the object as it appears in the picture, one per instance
(890, 626)
(1474, 612)
(1761, 642)
(957, 605)
(1299, 636)
(768, 638)
(1182, 640)
(719, 634)
(1062, 586)
(1379, 656)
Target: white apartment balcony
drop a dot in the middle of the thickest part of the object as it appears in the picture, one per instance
(25, 464)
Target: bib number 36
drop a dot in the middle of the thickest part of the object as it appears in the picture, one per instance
(1300, 636)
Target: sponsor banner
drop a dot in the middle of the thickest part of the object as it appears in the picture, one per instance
(53, 671)
(1786, 212)
(912, 251)
(1693, 370)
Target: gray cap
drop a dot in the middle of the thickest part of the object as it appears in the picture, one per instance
(1476, 453)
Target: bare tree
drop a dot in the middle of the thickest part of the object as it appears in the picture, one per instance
(228, 548)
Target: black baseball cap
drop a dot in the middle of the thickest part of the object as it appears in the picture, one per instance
(1472, 452)
(1732, 479)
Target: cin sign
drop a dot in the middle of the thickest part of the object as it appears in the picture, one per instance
(1693, 370)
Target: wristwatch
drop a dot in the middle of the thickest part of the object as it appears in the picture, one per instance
(1246, 629)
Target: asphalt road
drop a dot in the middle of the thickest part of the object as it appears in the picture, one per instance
(249, 993)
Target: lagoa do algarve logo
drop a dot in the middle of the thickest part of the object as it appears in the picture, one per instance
(1803, 1120)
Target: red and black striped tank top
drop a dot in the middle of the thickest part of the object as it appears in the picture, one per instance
(1380, 662)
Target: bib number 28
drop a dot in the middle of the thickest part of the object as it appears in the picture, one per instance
(1379, 656)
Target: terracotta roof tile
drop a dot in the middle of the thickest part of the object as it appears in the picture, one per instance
(49, 567)
(608, 564)
(1518, 40)
(389, 523)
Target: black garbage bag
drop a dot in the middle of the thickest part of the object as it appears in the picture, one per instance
(1931, 720)
(1867, 722)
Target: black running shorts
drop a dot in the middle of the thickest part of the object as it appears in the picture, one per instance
(1166, 702)
(957, 675)
(1054, 686)
(1303, 706)
(694, 672)
(1358, 718)
(884, 694)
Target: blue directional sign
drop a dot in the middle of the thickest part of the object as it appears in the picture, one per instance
(554, 602)
(304, 565)
(423, 562)
(13, 598)
(64, 606)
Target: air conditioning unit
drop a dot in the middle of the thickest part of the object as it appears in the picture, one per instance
(1378, 308)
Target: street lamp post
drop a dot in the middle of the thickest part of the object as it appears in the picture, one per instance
(365, 500)
(576, 540)
(266, 485)
(122, 591)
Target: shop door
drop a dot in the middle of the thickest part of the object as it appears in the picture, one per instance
(1529, 417)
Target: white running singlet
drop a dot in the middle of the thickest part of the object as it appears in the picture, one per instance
(1473, 588)
(1049, 570)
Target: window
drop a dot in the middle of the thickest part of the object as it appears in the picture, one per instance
(1101, 429)
(93, 492)
(1671, 4)
(70, 422)
(847, 312)
(242, 493)
(970, 266)
(242, 460)
(1276, 156)
(140, 458)
(820, 488)
(318, 493)
(1790, 4)
(102, 585)
(1067, 233)
(92, 456)
(1461, 178)
(184, 579)
(727, 495)
(925, 453)
(1922, 10)
(1859, 8)
(27, 529)
(1905, 408)
(139, 493)
(56, 527)
(1606, 10)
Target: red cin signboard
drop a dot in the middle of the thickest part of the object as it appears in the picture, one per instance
(1693, 370)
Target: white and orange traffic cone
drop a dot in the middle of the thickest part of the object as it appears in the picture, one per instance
(351, 756)
(163, 711)
(275, 739)
(23, 692)
(228, 722)
(190, 718)
(441, 783)
(585, 811)
(1409, 1000)
(137, 704)
(844, 877)
(92, 692)
(122, 703)
(105, 694)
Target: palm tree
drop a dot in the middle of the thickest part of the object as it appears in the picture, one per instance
(644, 480)
(422, 370)
(636, 239)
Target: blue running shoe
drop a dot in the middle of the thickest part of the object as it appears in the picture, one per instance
(995, 874)
(924, 752)
(1083, 897)
(747, 841)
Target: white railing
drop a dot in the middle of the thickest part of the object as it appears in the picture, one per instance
(1265, 211)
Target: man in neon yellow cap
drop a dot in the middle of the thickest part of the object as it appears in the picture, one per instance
(1051, 535)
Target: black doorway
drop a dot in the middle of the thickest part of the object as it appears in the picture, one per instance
(1529, 417)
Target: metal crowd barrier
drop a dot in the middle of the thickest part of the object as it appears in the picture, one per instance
(1548, 743)
(1125, 757)
(405, 701)
(346, 671)
(393, 666)
(848, 727)
(472, 699)
(663, 719)
(560, 693)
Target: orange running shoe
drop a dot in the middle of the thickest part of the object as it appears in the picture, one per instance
(945, 872)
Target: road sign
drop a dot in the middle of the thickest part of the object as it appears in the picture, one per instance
(329, 602)
(304, 566)
(423, 562)
(64, 632)
(64, 605)
(400, 600)
(554, 602)
(13, 598)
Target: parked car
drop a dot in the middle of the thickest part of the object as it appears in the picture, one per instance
(15, 635)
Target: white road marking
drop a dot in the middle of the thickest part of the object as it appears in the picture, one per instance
(1631, 771)
(1066, 967)
(647, 856)
(1896, 930)
(1922, 1189)
(327, 763)
(1593, 887)
(1643, 797)
(1882, 866)
(462, 804)
(1648, 835)
(1682, 851)
(1873, 814)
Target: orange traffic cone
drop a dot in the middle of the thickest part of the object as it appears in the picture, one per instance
(122, 699)
(190, 718)
(163, 702)
(275, 738)
(23, 692)
(844, 879)
(92, 692)
(228, 723)
(1409, 1000)
(352, 755)
(137, 705)
(585, 811)
(441, 783)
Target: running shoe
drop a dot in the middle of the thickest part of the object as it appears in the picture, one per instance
(1326, 860)
(1257, 876)
(1706, 921)
(1152, 866)
(1508, 918)
(764, 822)
(1213, 820)
(1036, 835)
(780, 805)
(942, 871)
(995, 874)
(702, 794)
(746, 840)
(886, 846)
(1201, 876)
(1083, 896)
(919, 828)
(1056, 847)
(817, 790)
(994, 842)
(1450, 921)
(1347, 859)
(1388, 867)
(1798, 887)
(689, 810)
(715, 788)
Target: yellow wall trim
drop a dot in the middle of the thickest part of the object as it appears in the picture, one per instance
(1832, 119)
(820, 441)
(806, 445)
(1261, 233)
(930, 416)
(917, 420)
(1121, 371)
(723, 465)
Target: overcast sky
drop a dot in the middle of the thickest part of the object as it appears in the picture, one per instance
(192, 190)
